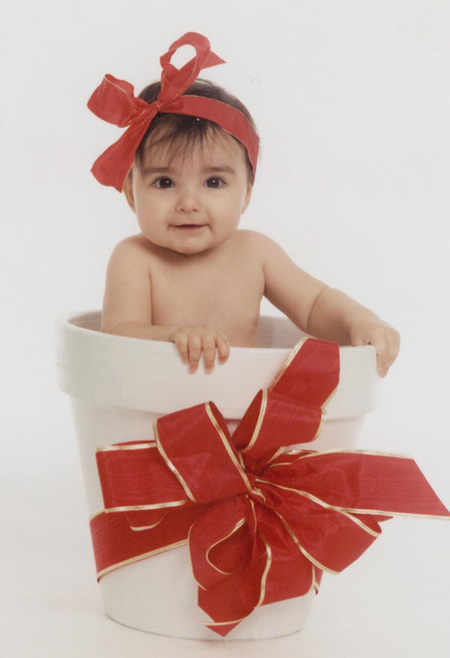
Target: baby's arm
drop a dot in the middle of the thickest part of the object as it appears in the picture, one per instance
(127, 309)
(322, 311)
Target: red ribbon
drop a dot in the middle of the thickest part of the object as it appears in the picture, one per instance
(114, 101)
(262, 524)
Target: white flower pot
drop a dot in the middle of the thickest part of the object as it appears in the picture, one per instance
(119, 385)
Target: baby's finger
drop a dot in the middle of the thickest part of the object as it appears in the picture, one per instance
(384, 356)
(223, 347)
(209, 351)
(357, 340)
(181, 341)
(195, 350)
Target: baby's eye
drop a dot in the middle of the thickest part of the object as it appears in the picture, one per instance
(216, 182)
(165, 183)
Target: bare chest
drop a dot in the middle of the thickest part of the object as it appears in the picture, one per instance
(223, 293)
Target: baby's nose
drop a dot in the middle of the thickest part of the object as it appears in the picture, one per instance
(188, 202)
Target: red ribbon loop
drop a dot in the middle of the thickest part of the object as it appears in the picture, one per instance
(198, 448)
(115, 102)
(262, 524)
(173, 81)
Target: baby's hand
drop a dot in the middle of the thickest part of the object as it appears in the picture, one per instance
(382, 336)
(191, 340)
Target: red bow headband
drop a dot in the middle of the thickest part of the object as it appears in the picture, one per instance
(114, 101)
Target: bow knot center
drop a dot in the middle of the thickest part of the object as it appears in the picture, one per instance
(257, 495)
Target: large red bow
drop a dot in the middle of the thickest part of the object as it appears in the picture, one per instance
(262, 524)
(114, 101)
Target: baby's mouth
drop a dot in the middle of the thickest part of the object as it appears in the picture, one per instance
(190, 227)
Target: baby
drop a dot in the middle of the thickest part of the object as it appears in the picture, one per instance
(192, 276)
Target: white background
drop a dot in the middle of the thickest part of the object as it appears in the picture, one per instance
(351, 99)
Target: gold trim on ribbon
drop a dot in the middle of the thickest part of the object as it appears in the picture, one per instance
(318, 453)
(258, 492)
(92, 516)
(221, 623)
(275, 455)
(254, 513)
(227, 446)
(137, 558)
(280, 464)
(262, 411)
(148, 527)
(294, 352)
(174, 470)
(304, 551)
(138, 508)
(205, 589)
(131, 446)
(321, 424)
(238, 525)
(266, 571)
(315, 584)
(332, 394)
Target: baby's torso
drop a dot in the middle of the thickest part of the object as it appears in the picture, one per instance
(223, 290)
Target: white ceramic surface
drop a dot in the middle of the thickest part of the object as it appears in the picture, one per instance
(119, 385)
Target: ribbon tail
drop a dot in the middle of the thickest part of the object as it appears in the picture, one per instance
(362, 482)
(224, 604)
(277, 571)
(318, 573)
(331, 502)
(288, 574)
(234, 598)
(213, 60)
(219, 522)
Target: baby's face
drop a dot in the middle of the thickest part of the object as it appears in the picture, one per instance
(207, 188)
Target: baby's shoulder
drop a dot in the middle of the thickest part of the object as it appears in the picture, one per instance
(251, 237)
(256, 241)
(133, 243)
(131, 253)
(131, 247)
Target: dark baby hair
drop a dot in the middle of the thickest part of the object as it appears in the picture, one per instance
(183, 131)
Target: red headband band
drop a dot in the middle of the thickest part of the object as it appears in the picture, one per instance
(114, 101)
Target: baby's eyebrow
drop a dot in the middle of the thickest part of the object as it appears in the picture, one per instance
(226, 168)
(167, 170)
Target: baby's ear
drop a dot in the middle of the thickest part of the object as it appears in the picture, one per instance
(128, 190)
